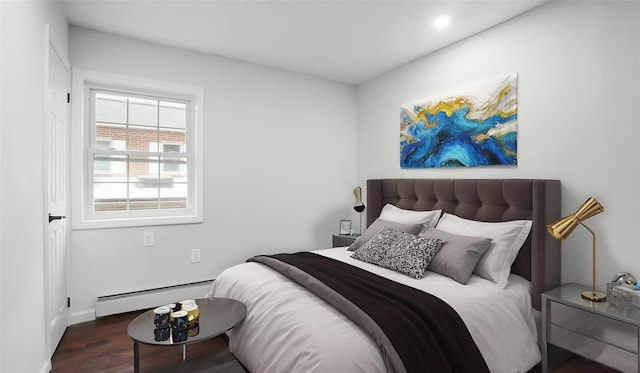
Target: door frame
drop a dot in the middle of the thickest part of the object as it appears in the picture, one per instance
(50, 41)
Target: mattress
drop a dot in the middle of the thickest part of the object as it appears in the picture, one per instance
(288, 329)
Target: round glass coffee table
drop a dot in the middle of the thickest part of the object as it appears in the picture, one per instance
(217, 315)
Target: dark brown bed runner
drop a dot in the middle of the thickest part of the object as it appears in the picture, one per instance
(415, 331)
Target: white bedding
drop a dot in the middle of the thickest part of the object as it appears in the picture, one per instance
(288, 329)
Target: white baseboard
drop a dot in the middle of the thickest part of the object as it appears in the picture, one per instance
(78, 317)
(145, 299)
(46, 367)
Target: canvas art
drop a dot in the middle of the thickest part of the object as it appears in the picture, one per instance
(477, 127)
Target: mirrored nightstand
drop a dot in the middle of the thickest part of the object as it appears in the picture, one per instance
(598, 331)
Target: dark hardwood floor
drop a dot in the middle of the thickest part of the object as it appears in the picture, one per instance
(103, 346)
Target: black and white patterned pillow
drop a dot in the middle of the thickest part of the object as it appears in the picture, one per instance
(411, 254)
(399, 251)
(376, 248)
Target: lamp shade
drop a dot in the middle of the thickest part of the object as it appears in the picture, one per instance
(358, 206)
(562, 228)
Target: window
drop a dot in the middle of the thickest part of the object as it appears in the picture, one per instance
(141, 162)
(102, 165)
(167, 166)
(171, 167)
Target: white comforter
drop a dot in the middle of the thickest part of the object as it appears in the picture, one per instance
(288, 329)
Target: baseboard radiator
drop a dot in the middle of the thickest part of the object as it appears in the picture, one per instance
(145, 299)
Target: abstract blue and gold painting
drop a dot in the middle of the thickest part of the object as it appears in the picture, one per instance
(476, 129)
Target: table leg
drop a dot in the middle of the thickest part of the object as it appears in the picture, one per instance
(136, 358)
(184, 353)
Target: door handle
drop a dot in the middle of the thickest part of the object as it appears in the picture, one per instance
(55, 217)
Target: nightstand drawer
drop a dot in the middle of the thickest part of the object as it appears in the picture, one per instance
(343, 240)
(593, 349)
(594, 326)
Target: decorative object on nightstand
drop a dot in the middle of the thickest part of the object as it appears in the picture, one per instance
(623, 294)
(562, 228)
(624, 278)
(358, 206)
(345, 227)
(621, 278)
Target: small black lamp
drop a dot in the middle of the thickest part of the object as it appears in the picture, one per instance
(358, 206)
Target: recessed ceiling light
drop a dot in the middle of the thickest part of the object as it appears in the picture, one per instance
(442, 22)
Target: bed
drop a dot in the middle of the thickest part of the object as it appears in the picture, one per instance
(290, 328)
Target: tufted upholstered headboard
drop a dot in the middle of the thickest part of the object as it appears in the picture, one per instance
(490, 200)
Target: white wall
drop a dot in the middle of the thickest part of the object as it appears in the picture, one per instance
(280, 166)
(578, 118)
(22, 215)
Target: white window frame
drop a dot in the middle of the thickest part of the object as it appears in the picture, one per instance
(83, 214)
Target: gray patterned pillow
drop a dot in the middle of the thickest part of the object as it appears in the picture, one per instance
(376, 248)
(402, 252)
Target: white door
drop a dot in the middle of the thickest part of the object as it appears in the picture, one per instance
(56, 166)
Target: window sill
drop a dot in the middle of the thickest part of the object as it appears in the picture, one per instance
(135, 222)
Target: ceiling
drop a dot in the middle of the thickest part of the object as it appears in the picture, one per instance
(347, 41)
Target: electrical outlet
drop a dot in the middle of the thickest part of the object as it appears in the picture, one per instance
(195, 255)
(148, 239)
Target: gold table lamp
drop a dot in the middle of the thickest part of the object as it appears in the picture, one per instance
(562, 228)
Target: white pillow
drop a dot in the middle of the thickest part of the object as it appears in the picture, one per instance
(507, 239)
(395, 214)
